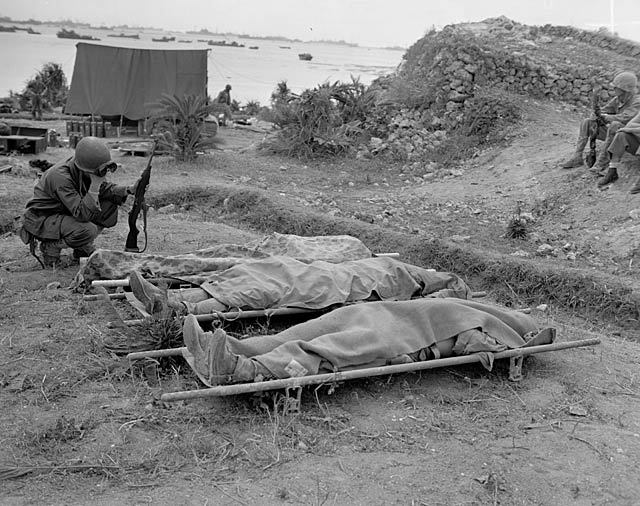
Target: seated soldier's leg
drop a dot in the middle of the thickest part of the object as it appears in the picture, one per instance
(583, 136)
(622, 142)
(609, 134)
(212, 358)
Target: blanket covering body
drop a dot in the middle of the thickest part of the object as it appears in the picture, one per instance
(369, 335)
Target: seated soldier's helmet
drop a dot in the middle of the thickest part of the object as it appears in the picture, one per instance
(626, 81)
(91, 155)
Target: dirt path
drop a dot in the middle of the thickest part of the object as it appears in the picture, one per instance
(569, 433)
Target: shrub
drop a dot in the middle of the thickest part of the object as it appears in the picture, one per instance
(487, 114)
(180, 125)
(326, 120)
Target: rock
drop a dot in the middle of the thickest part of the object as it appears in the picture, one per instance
(544, 249)
(634, 214)
(571, 256)
(54, 285)
(520, 253)
(459, 238)
(167, 209)
(542, 307)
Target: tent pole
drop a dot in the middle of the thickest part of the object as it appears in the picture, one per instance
(120, 127)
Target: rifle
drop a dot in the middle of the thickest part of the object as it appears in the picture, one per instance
(595, 126)
(139, 204)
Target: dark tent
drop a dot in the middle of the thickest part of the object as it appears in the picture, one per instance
(122, 81)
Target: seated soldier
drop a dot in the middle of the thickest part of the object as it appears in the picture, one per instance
(361, 336)
(280, 281)
(73, 202)
(626, 140)
(616, 113)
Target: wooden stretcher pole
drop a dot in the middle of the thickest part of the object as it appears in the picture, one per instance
(115, 283)
(364, 373)
(171, 352)
(113, 296)
(250, 313)
(235, 315)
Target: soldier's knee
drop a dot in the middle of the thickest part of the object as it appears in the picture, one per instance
(81, 234)
(614, 126)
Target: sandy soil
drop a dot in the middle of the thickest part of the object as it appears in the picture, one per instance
(84, 428)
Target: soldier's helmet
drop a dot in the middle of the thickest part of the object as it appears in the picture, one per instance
(92, 156)
(626, 81)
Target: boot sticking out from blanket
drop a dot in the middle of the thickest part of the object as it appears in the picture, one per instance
(155, 299)
(213, 359)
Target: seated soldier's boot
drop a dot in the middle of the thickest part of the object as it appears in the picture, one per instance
(602, 163)
(153, 298)
(610, 177)
(635, 188)
(575, 161)
(50, 251)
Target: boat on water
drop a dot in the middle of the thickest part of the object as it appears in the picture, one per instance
(164, 39)
(233, 43)
(185, 41)
(284, 47)
(305, 56)
(254, 47)
(71, 34)
(124, 35)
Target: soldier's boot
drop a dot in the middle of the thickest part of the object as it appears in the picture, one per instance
(155, 299)
(50, 251)
(602, 161)
(635, 188)
(212, 357)
(577, 159)
(610, 177)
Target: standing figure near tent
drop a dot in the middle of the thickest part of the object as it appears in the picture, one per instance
(73, 202)
(224, 104)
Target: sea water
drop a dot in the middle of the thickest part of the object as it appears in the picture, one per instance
(252, 73)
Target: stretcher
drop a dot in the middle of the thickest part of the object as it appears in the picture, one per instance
(293, 386)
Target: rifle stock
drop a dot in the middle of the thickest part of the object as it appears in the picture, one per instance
(590, 159)
(139, 205)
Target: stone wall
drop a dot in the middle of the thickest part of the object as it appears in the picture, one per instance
(623, 47)
(516, 58)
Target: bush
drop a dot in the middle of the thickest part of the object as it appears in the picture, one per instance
(180, 125)
(326, 120)
(486, 115)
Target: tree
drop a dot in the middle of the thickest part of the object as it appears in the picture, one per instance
(47, 89)
(180, 125)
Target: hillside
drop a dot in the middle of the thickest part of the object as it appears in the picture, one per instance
(83, 427)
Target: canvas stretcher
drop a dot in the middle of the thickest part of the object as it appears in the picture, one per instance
(515, 357)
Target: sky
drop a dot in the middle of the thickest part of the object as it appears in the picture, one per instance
(377, 23)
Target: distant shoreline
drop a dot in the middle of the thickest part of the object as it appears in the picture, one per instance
(76, 24)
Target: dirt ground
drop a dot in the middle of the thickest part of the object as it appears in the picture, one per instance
(80, 427)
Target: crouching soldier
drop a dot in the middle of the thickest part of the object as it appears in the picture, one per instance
(72, 203)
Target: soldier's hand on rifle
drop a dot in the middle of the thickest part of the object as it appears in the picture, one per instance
(131, 190)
